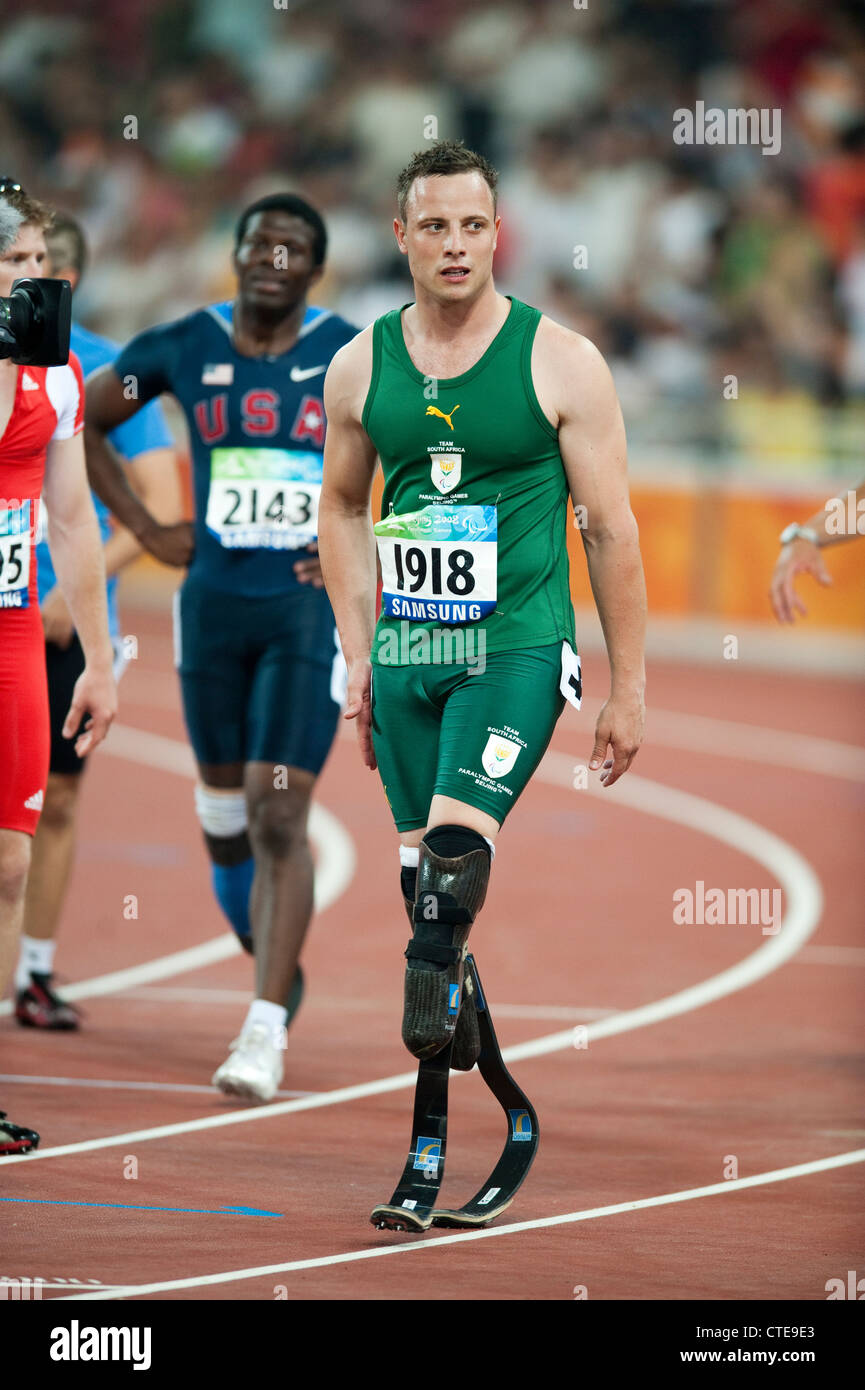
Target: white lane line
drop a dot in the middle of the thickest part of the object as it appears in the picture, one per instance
(798, 881)
(831, 955)
(729, 738)
(334, 870)
(169, 994)
(700, 733)
(798, 1170)
(108, 1085)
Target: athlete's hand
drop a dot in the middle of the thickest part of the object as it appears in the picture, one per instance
(173, 545)
(357, 706)
(95, 694)
(57, 620)
(801, 556)
(620, 727)
(309, 571)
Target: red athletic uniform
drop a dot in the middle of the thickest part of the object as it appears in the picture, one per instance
(49, 404)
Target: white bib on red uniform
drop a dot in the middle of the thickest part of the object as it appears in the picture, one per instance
(49, 405)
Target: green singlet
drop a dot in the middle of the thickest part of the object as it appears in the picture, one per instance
(472, 654)
(474, 515)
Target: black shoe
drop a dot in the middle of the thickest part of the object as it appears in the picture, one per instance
(38, 1006)
(14, 1139)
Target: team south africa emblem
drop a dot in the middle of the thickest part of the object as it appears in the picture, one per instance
(499, 755)
(445, 471)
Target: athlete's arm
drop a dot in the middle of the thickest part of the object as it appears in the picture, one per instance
(345, 537)
(575, 388)
(802, 556)
(106, 407)
(155, 479)
(76, 550)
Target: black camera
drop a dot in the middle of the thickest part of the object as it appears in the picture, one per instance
(35, 322)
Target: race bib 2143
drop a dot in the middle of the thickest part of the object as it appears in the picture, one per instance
(264, 498)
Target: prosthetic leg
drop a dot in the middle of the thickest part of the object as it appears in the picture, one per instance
(413, 1205)
(446, 1023)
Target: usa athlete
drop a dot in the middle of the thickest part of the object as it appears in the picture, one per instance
(41, 451)
(261, 672)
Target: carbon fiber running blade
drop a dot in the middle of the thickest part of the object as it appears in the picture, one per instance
(523, 1135)
(411, 1206)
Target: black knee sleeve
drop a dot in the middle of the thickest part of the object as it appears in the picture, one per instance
(454, 863)
(452, 876)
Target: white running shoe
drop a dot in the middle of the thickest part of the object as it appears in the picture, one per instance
(254, 1066)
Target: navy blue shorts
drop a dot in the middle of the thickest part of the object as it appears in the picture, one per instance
(262, 679)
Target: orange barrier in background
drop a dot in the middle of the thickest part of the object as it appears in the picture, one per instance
(709, 551)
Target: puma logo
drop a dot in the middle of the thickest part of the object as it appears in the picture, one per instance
(434, 410)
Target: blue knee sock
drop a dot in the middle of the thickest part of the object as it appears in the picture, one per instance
(232, 888)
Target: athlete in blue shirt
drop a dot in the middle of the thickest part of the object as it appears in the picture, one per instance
(262, 676)
(146, 445)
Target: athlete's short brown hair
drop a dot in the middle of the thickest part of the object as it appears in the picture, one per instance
(444, 157)
(33, 213)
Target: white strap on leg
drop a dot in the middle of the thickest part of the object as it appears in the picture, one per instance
(221, 813)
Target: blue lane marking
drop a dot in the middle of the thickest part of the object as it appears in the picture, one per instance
(136, 1206)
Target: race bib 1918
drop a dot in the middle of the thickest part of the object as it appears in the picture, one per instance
(264, 497)
(14, 556)
(439, 564)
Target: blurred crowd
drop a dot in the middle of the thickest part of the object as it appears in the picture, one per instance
(725, 286)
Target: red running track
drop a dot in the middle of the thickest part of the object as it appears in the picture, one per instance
(578, 927)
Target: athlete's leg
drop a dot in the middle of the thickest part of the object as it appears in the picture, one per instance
(446, 810)
(494, 730)
(52, 856)
(253, 1068)
(220, 804)
(282, 890)
(291, 720)
(15, 847)
(212, 662)
(24, 756)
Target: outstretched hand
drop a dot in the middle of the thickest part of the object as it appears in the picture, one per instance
(799, 557)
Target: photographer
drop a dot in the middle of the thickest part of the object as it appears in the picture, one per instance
(41, 451)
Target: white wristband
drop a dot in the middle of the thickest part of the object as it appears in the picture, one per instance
(796, 532)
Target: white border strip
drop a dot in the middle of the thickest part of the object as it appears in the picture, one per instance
(798, 1170)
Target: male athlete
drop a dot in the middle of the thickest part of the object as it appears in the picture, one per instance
(840, 520)
(146, 445)
(261, 673)
(41, 453)
(485, 415)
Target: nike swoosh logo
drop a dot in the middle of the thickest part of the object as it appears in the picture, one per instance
(297, 374)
